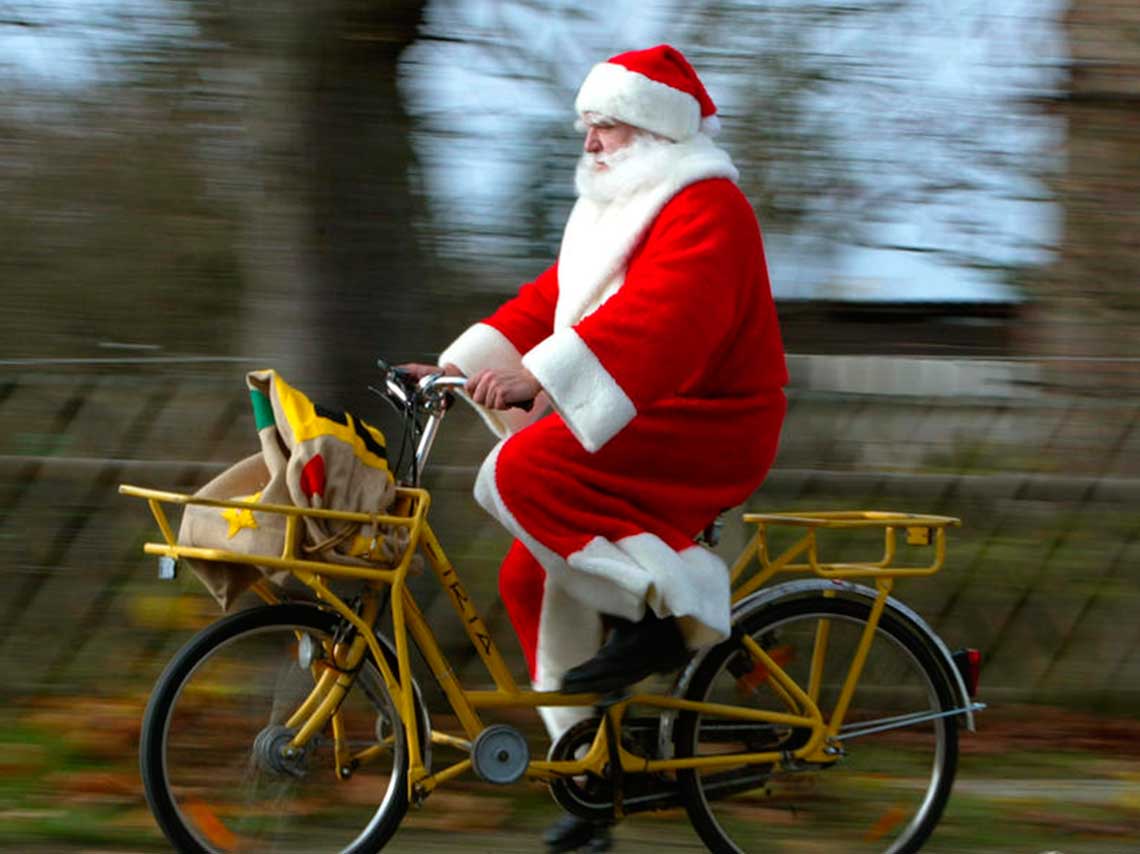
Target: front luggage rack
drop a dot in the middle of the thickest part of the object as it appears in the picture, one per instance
(411, 506)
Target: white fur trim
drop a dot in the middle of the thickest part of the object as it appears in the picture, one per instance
(622, 578)
(619, 578)
(581, 390)
(692, 585)
(584, 588)
(569, 631)
(614, 90)
(599, 239)
(568, 634)
(483, 346)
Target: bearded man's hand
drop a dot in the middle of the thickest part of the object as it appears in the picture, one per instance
(502, 389)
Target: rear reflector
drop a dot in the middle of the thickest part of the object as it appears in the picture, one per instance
(969, 664)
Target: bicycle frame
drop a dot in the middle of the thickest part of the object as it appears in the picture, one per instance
(333, 680)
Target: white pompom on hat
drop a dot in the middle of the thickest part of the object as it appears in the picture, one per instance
(655, 89)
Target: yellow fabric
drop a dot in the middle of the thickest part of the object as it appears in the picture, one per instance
(307, 424)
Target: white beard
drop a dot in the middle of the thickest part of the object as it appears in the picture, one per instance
(616, 206)
(640, 164)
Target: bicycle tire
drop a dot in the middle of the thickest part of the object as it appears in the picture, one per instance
(205, 779)
(855, 804)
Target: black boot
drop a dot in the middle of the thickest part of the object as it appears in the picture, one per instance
(632, 652)
(570, 833)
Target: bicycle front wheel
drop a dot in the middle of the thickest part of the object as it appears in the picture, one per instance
(210, 746)
(896, 762)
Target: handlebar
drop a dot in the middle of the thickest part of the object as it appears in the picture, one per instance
(431, 396)
(433, 381)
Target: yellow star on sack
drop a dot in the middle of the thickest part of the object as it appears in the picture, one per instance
(240, 517)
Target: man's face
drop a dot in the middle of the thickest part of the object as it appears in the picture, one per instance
(618, 159)
(605, 138)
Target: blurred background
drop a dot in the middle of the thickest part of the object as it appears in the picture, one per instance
(950, 196)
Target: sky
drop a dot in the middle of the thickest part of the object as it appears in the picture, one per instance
(926, 107)
(68, 44)
(930, 97)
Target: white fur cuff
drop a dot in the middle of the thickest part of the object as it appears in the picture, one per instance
(483, 346)
(581, 390)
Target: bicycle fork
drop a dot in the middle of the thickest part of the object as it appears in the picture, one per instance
(334, 666)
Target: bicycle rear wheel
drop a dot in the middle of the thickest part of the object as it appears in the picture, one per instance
(212, 777)
(887, 790)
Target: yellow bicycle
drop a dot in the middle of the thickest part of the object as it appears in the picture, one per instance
(829, 718)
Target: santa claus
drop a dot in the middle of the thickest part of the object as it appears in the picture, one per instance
(654, 341)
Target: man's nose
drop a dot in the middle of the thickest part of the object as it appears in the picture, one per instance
(593, 142)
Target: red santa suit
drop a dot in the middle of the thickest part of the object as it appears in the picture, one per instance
(655, 340)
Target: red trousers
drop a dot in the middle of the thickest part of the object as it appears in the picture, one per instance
(521, 583)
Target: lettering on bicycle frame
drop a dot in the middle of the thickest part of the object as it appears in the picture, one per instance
(467, 609)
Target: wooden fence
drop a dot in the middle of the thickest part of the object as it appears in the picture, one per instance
(1042, 577)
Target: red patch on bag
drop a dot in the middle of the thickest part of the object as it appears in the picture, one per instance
(313, 477)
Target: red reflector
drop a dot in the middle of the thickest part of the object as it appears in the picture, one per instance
(972, 671)
(749, 681)
(969, 662)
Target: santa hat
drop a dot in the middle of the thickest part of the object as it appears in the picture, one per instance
(655, 89)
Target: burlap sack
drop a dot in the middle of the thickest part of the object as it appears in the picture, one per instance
(236, 530)
(310, 457)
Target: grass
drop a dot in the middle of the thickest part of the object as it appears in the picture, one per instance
(69, 783)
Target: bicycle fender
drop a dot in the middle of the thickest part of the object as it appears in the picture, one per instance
(766, 597)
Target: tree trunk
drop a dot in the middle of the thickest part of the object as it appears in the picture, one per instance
(334, 272)
(1089, 316)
